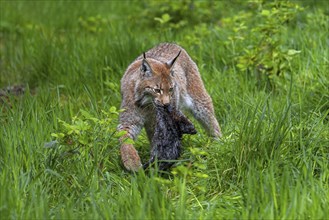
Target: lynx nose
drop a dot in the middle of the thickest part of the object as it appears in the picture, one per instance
(165, 100)
(168, 107)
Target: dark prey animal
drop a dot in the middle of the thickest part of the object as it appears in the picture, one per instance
(170, 126)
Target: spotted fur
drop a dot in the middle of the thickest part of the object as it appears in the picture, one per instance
(164, 76)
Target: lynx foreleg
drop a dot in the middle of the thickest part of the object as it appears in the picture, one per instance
(129, 154)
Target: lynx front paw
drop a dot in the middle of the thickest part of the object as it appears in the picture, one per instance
(130, 157)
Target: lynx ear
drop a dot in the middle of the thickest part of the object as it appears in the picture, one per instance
(171, 63)
(145, 67)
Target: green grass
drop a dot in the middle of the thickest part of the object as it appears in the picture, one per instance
(272, 162)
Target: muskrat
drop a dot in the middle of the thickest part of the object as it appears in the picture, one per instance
(170, 126)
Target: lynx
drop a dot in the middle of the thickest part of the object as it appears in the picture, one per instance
(164, 76)
(166, 142)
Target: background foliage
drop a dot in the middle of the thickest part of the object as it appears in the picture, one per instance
(265, 64)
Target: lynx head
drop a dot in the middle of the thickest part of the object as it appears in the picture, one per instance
(157, 83)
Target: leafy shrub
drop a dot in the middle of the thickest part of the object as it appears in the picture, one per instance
(258, 46)
(93, 24)
(179, 14)
(88, 142)
(254, 36)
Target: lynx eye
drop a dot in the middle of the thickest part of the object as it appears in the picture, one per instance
(157, 91)
(171, 90)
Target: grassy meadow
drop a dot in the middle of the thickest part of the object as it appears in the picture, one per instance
(264, 63)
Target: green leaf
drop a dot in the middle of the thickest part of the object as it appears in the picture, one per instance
(85, 113)
(57, 135)
(128, 141)
(201, 175)
(165, 18)
(162, 180)
(120, 133)
(265, 12)
(293, 52)
(200, 165)
(113, 110)
(83, 140)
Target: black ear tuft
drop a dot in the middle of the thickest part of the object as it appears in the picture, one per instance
(171, 63)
